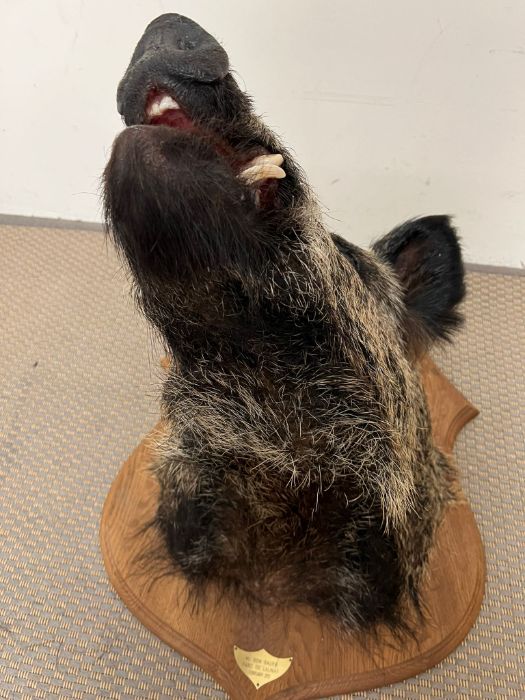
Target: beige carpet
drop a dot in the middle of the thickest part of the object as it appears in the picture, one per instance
(78, 388)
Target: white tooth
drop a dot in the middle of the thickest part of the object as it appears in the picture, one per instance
(262, 171)
(168, 102)
(154, 109)
(274, 158)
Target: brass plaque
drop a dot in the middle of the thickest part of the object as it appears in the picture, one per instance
(260, 666)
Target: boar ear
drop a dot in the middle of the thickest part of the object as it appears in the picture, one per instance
(426, 257)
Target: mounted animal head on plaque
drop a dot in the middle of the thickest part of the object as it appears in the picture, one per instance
(297, 464)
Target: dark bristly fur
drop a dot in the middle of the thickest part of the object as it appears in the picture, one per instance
(298, 464)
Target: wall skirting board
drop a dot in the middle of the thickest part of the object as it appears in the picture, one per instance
(40, 222)
(76, 224)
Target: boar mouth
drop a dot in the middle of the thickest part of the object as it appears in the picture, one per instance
(254, 167)
(162, 108)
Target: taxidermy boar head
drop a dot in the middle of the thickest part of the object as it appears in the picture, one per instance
(297, 464)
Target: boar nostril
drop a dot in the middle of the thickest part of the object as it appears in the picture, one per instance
(186, 44)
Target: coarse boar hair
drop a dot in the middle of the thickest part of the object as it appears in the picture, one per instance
(297, 465)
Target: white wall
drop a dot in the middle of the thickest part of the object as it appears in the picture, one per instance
(394, 107)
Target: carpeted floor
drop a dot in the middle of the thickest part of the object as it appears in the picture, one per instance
(79, 382)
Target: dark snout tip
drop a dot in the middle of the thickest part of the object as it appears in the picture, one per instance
(171, 21)
(190, 48)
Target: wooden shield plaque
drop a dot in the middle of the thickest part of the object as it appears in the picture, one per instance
(291, 654)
